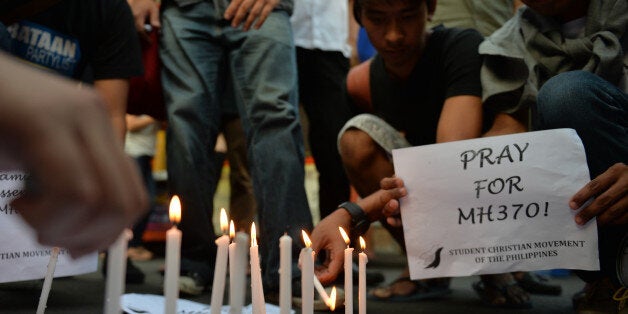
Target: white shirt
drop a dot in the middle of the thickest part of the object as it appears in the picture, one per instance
(321, 24)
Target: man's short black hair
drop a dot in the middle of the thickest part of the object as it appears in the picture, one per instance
(358, 4)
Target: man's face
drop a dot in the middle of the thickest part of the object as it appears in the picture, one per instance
(553, 7)
(396, 29)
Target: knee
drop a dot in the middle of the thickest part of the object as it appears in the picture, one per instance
(356, 148)
(565, 99)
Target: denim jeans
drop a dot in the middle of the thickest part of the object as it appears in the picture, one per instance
(598, 111)
(201, 52)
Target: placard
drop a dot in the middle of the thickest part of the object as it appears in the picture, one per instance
(21, 257)
(495, 205)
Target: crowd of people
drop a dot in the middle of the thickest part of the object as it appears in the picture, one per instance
(540, 65)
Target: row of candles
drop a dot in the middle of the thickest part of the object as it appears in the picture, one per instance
(233, 246)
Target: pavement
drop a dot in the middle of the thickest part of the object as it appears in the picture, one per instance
(84, 294)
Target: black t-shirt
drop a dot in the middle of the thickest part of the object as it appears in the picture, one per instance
(450, 66)
(74, 34)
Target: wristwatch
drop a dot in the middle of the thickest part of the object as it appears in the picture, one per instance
(359, 221)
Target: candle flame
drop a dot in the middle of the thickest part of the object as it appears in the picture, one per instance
(231, 230)
(332, 299)
(306, 239)
(362, 243)
(253, 235)
(344, 235)
(224, 221)
(174, 211)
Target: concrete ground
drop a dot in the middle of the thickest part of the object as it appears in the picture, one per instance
(84, 294)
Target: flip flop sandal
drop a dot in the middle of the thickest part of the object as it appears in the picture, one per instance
(422, 291)
(488, 297)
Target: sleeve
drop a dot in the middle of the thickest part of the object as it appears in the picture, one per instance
(462, 63)
(117, 52)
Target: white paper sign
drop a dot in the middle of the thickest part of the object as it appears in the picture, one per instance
(21, 257)
(495, 205)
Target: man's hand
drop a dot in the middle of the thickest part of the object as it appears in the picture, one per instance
(145, 11)
(248, 11)
(391, 209)
(82, 189)
(610, 190)
(326, 236)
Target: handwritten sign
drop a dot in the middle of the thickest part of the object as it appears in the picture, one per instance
(21, 257)
(494, 205)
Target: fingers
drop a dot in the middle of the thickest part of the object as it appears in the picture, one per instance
(609, 189)
(616, 214)
(391, 183)
(336, 262)
(248, 11)
(253, 14)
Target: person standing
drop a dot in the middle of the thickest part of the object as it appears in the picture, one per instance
(250, 43)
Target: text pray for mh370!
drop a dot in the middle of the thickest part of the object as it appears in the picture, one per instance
(486, 157)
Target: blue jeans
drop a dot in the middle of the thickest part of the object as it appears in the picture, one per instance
(200, 54)
(598, 111)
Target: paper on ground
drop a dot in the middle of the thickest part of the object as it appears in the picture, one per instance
(154, 304)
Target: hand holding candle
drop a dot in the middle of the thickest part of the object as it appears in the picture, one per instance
(348, 273)
(220, 271)
(173, 250)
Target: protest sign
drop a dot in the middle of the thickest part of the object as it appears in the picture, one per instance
(21, 257)
(495, 205)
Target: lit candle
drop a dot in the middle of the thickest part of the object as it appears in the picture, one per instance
(362, 260)
(332, 299)
(348, 274)
(116, 273)
(220, 270)
(257, 291)
(173, 251)
(285, 274)
(306, 261)
(321, 291)
(237, 269)
(45, 290)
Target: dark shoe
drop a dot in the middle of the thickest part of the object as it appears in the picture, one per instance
(537, 284)
(601, 296)
(133, 274)
(195, 277)
(502, 293)
(193, 283)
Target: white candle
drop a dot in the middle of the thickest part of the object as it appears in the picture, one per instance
(173, 251)
(116, 273)
(306, 261)
(348, 273)
(285, 274)
(321, 291)
(257, 291)
(362, 260)
(220, 270)
(237, 270)
(45, 290)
